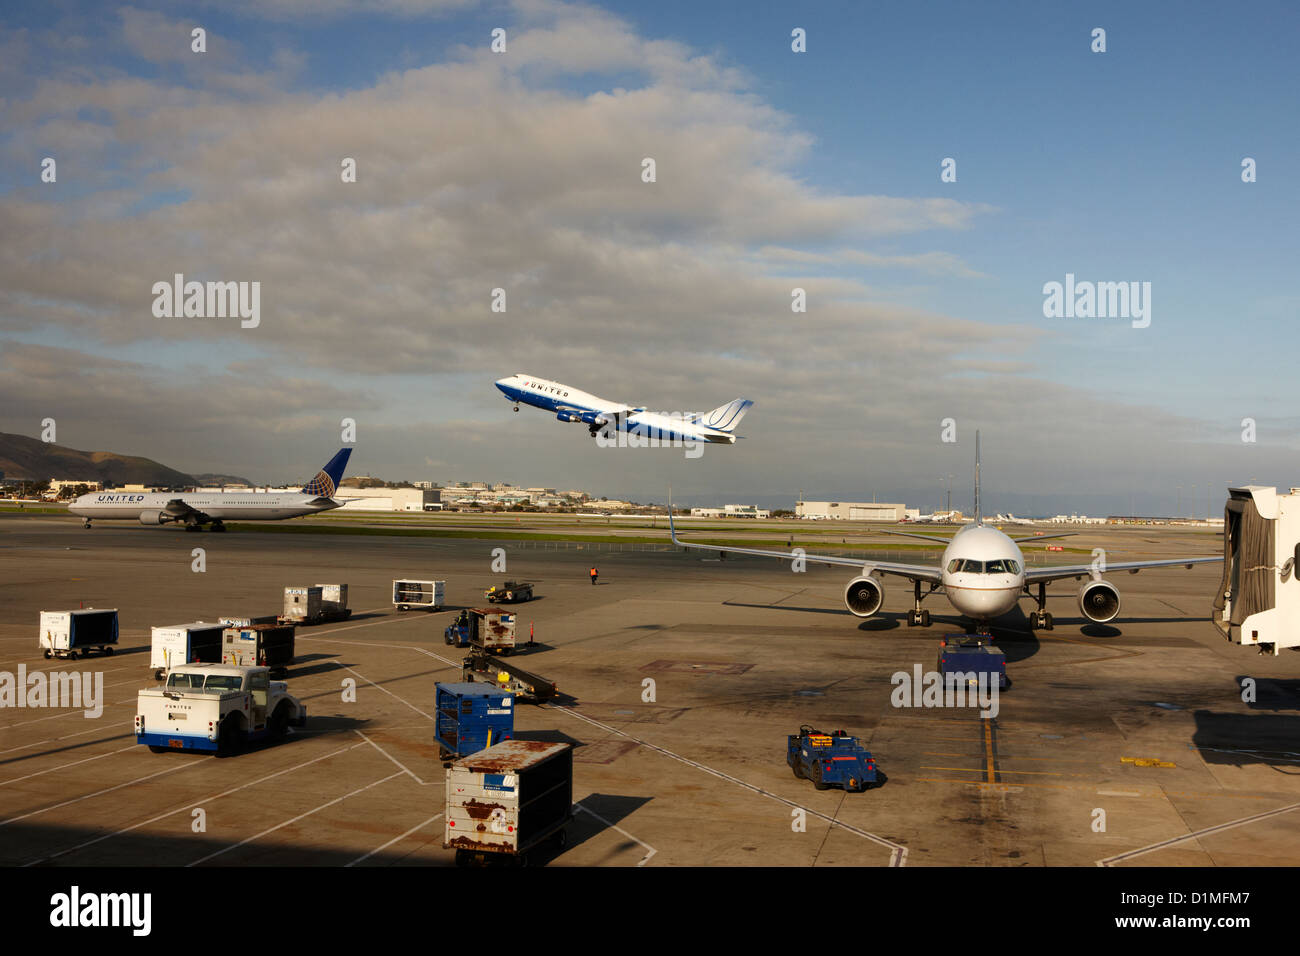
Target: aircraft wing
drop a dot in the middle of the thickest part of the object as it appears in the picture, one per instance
(1035, 575)
(177, 508)
(915, 572)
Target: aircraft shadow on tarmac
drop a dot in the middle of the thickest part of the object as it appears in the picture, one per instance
(1241, 740)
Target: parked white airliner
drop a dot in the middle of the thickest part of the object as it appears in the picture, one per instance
(982, 573)
(195, 509)
(573, 405)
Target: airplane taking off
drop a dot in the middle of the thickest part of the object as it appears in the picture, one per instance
(982, 573)
(572, 405)
(196, 509)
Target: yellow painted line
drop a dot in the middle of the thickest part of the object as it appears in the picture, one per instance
(938, 753)
(988, 750)
(1146, 762)
(1036, 773)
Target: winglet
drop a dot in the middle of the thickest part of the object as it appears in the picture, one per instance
(672, 529)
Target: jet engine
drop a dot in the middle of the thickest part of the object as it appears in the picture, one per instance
(568, 416)
(863, 596)
(1099, 601)
(153, 517)
(593, 418)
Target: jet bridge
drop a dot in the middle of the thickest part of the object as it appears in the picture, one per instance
(1258, 601)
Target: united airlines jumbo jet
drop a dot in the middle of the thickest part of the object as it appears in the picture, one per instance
(982, 574)
(573, 405)
(195, 509)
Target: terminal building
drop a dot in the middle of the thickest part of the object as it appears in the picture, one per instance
(855, 510)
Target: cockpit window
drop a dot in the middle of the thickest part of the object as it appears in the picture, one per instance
(966, 566)
(996, 567)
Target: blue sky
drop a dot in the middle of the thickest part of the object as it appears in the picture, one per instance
(1117, 166)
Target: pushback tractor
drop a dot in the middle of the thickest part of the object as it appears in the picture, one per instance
(832, 760)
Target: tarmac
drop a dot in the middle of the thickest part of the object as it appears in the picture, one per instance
(680, 677)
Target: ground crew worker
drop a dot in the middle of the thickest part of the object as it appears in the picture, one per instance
(593, 575)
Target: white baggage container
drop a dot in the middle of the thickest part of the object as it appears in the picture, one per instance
(408, 593)
(69, 633)
(176, 644)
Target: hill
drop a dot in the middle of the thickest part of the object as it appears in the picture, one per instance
(23, 457)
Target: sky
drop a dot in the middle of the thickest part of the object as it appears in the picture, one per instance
(774, 170)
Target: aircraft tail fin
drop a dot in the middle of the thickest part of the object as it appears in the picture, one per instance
(727, 417)
(328, 478)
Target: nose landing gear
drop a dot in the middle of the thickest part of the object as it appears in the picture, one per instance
(85, 523)
(1041, 619)
(918, 617)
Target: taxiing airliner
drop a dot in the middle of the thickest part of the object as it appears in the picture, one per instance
(601, 416)
(195, 509)
(982, 574)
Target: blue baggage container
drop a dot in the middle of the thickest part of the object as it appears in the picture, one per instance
(470, 717)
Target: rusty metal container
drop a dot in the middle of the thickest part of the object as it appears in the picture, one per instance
(504, 802)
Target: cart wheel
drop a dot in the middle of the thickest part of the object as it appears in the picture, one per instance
(48, 654)
(72, 655)
(462, 858)
(108, 651)
(158, 674)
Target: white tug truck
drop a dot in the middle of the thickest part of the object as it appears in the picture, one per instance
(215, 707)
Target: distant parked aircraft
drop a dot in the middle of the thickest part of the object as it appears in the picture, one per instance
(195, 509)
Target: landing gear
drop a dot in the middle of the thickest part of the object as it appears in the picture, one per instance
(217, 526)
(516, 408)
(193, 526)
(86, 523)
(1040, 619)
(918, 617)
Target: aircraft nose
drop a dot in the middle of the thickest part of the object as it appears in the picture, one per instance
(501, 383)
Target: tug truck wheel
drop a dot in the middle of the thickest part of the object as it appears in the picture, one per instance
(279, 724)
(108, 651)
(794, 768)
(817, 778)
(156, 749)
(228, 738)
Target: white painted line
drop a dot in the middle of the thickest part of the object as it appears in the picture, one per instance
(235, 846)
(97, 793)
(396, 761)
(71, 713)
(386, 691)
(5, 783)
(380, 849)
(1112, 860)
(897, 854)
(187, 806)
(52, 740)
(645, 859)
